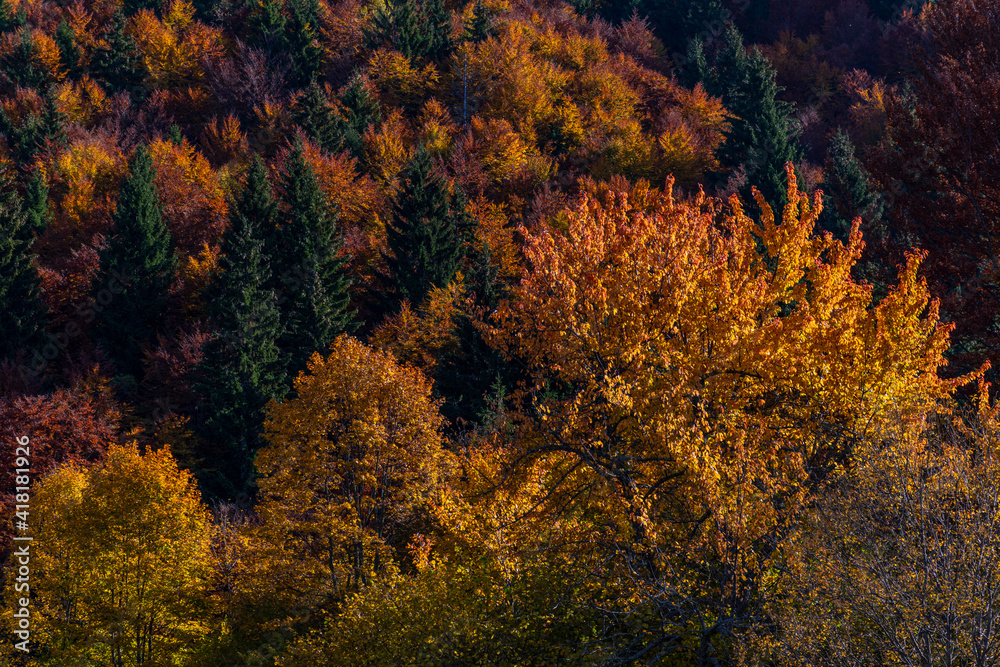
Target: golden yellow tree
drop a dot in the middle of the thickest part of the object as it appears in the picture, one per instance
(351, 462)
(900, 565)
(120, 558)
(696, 376)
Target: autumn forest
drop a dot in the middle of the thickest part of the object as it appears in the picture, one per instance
(499, 332)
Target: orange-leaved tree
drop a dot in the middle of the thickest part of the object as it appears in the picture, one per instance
(696, 375)
(351, 464)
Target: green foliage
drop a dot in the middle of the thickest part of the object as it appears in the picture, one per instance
(848, 193)
(482, 25)
(9, 19)
(427, 233)
(321, 122)
(21, 310)
(267, 24)
(419, 29)
(130, 7)
(69, 52)
(362, 110)
(301, 35)
(242, 369)
(20, 65)
(118, 65)
(762, 138)
(136, 268)
(36, 198)
(36, 133)
(309, 268)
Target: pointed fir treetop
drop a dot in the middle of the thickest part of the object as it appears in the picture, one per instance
(310, 270)
(37, 202)
(69, 51)
(301, 34)
(427, 233)
(847, 190)
(480, 28)
(21, 310)
(119, 64)
(320, 120)
(419, 29)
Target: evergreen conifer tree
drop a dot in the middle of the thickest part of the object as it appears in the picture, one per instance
(321, 122)
(136, 269)
(301, 33)
(847, 191)
(361, 111)
(37, 202)
(242, 369)
(20, 64)
(418, 29)
(427, 233)
(480, 28)
(9, 19)
(69, 51)
(309, 271)
(118, 64)
(267, 25)
(21, 310)
(761, 138)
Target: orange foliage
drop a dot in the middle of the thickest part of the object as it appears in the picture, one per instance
(223, 141)
(388, 148)
(175, 48)
(194, 203)
(69, 426)
(691, 363)
(397, 83)
(82, 101)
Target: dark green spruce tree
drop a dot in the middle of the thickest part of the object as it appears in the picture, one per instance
(848, 194)
(847, 191)
(361, 110)
(9, 19)
(419, 29)
(22, 313)
(427, 233)
(310, 277)
(301, 42)
(481, 27)
(242, 369)
(762, 137)
(136, 269)
(118, 64)
(266, 25)
(320, 121)
(20, 64)
(69, 51)
(36, 200)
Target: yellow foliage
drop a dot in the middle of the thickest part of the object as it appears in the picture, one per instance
(119, 561)
(708, 366)
(173, 49)
(386, 149)
(82, 100)
(85, 179)
(397, 83)
(351, 464)
(422, 339)
(436, 127)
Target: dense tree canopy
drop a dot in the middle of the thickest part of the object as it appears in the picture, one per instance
(500, 331)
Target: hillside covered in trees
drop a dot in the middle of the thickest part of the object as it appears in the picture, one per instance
(503, 332)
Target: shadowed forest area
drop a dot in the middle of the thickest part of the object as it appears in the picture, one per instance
(504, 332)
